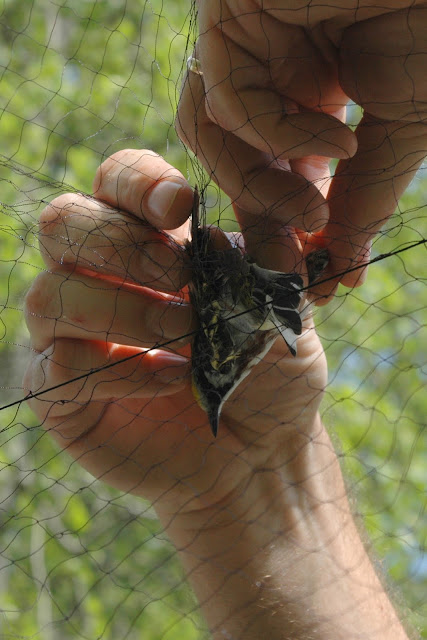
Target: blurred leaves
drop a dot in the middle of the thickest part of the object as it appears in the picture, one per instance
(80, 80)
(376, 401)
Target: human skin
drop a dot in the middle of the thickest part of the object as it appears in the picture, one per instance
(260, 515)
(268, 114)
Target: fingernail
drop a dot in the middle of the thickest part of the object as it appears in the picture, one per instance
(169, 367)
(162, 197)
(316, 262)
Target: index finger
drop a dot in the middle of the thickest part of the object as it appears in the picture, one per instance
(142, 183)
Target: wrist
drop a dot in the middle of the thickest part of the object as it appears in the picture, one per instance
(269, 485)
(281, 551)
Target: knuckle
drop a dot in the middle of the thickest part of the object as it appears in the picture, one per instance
(53, 220)
(182, 128)
(123, 160)
(60, 367)
(38, 302)
(52, 214)
(117, 158)
(34, 297)
(221, 114)
(52, 375)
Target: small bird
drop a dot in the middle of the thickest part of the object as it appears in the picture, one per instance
(241, 309)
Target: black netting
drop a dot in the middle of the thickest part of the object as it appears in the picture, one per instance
(80, 81)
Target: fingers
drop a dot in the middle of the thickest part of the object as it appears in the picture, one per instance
(77, 231)
(145, 185)
(85, 313)
(386, 76)
(382, 64)
(75, 306)
(252, 178)
(74, 373)
(273, 245)
(366, 190)
(245, 93)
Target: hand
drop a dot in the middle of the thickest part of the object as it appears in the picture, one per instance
(268, 113)
(253, 513)
(112, 289)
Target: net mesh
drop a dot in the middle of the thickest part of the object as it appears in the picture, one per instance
(79, 81)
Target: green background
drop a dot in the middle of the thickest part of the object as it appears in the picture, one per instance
(78, 81)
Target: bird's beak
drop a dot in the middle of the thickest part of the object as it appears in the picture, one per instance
(213, 416)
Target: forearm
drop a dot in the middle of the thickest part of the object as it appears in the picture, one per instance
(283, 558)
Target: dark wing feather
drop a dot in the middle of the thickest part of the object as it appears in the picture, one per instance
(286, 300)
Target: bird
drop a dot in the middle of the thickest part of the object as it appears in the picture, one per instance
(241, 309)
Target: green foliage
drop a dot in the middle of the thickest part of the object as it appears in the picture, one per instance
(79, 80)
(376, 401)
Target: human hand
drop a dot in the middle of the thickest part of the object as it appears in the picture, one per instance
(113, 288)
(257, 510)
(268, 113)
